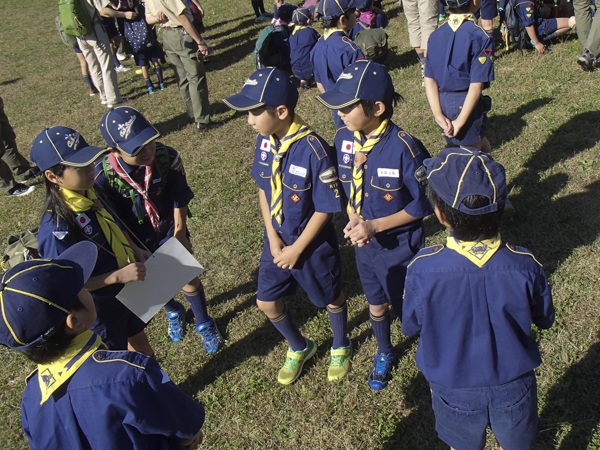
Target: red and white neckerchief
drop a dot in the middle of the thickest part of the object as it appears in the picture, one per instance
(148, 204)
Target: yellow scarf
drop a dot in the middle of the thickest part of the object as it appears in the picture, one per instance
(478, 252)
(361, 150)
(52, 376)
(329, 31)
(297, 131)
(456, 20)
(114, 236)
(299, 27)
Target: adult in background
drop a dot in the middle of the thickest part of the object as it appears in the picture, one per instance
(16, 164)
(422, 19)
(588, 32)
(96, 49)
(185, 49)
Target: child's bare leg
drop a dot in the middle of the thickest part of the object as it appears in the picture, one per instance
(563, 25)
(140, 343)
(482, 145)
(82, 62)
(145, 73)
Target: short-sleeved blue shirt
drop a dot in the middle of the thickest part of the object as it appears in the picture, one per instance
(457, 59)
(310, 182)
(331, 55)
(394, 174)
(528, 11)
(302, 41)
(115, 400)
(168, 191)
(475, 322)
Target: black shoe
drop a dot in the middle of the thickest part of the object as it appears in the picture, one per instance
(586, 61)
(204, 127)
(21, 190)
(29, 174)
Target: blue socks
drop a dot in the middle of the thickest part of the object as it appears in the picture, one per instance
(381, 330)
(89, 82)
(159, 74)
(197, 301)
(173, 305)
(286, 325)
(149, 82)
(338, 316)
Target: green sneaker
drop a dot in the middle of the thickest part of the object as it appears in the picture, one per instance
(294, 362)
(340, 363)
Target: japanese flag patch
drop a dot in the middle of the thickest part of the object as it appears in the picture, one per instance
(82, 220)
(348, 147)
(265, 145)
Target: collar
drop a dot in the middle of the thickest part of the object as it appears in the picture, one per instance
(456, 20)
(330, 31)
(52, 376)
(299, 27)
(479, 253)
(126, 167)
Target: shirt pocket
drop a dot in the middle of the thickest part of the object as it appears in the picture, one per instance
(385, 195)
(297, 195)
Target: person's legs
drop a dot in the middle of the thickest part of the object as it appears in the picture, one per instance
(174, 49)
(583, 15)
(198, 87)
(428, 20)
(411, 11)
(9, 152)
(140, 343)
(107, 66)
(93, 66)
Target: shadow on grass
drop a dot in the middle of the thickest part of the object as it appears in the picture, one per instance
(573, 400)
(249, 19)
(13, 81)
(505, 128)
(239, 47)
(401, 61)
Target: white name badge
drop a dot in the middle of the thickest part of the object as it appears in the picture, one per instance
(390, 173)
(348, 147)
(297, 170)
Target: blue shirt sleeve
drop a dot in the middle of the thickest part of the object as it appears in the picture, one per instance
(411, 309)
(53, 236)
(526, 12)
(542, 307)
(261, 168)
(327, 190)
(482, 60)
(413, 169)
(177, 186)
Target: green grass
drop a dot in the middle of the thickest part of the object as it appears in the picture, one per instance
(543, 127)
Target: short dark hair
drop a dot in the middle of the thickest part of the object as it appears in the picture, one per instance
(271, 110)
(467, 227)
(453, 8)
(56, 344)
(369, 106)
(333, 22)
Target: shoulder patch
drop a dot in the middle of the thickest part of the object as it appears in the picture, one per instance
(177, 163)
(421, 175)
(522, 251)
(329, 175)
(427, 251)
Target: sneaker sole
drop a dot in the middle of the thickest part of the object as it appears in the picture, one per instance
(310, 355)
(585, 66)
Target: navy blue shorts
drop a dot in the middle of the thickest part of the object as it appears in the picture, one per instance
(546, 27)
(318, 271)
(76, 49)
(154, 53)
(462, 415)
(110, 27)
(488, 10)
(474, 130)
(115, 322)
(381, 265)
(303, 71)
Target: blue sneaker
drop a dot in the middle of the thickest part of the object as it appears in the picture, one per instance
(176, 324)
(379, 376)
(211, 338)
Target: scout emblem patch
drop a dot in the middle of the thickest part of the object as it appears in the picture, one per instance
(329, 175)
(388, 197)
(295, 197)
(421, 175)
(346, 158)
(482, 59)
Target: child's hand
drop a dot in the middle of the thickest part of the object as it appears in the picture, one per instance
(278, 3)
(131, 272)
(350, 225)
(276, 245)
(456, 127)
(445, 124)
(130, 15)
(181, 237)
(141, 255)
(362, 233)
(287, 258)
(540, 47)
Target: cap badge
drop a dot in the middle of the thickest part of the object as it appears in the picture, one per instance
(125, 128)
(345, 76)
(250, 82)
(72, 140)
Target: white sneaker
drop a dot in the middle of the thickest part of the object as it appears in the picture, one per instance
(122, 102)
(121, 69)
(121, 56)
(104, 102)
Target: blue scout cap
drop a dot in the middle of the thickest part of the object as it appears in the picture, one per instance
(457, 3)
(334, 8)
(127, 129)
(457, 173)
(38, 295)
(268, 86)
(62, 145)
(301, 15)
(362, 80)
(286, 11)
(363, 5)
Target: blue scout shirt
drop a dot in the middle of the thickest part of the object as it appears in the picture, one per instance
(528, 11)
(475, 322)
(115, 400)
(302, 41)
(381, 21)
(167, 193)
(280, 44)
(331, 55)
(310, 182)
(394, 174)
(455, 59)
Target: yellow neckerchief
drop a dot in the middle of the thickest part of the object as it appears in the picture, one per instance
(456, 20)
(114, 236)
(299, 27)
(297, 131)
(330, 31)
(362, 146)
(478, 252)
(52, 376)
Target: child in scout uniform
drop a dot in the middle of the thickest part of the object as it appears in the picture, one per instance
(460, 65)
(335, 50)
(299, 191)
(473, 303)
(83, 395)
(538, 28)
(146, 184)
(303, 39)
(73, 212)
(381, 170)
(369, 17)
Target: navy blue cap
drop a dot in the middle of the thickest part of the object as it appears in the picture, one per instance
(301, 15)
(362, 80)
(62, 145)
(127, 129)
(334, 8)
(457, 3)
(457, 173)
(267, 86)
(286, 11)
(363, 5)
(38, 295)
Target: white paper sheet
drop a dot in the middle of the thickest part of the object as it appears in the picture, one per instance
(169, 269)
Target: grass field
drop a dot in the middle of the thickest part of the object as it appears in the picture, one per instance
(544, 127)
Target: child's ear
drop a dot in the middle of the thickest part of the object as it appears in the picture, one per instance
(51, 176)
(282, 112)
(379, 109)
(73, 325)
(115, 151)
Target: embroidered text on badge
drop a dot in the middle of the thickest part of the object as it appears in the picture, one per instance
(297, 170)
(391, 173)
